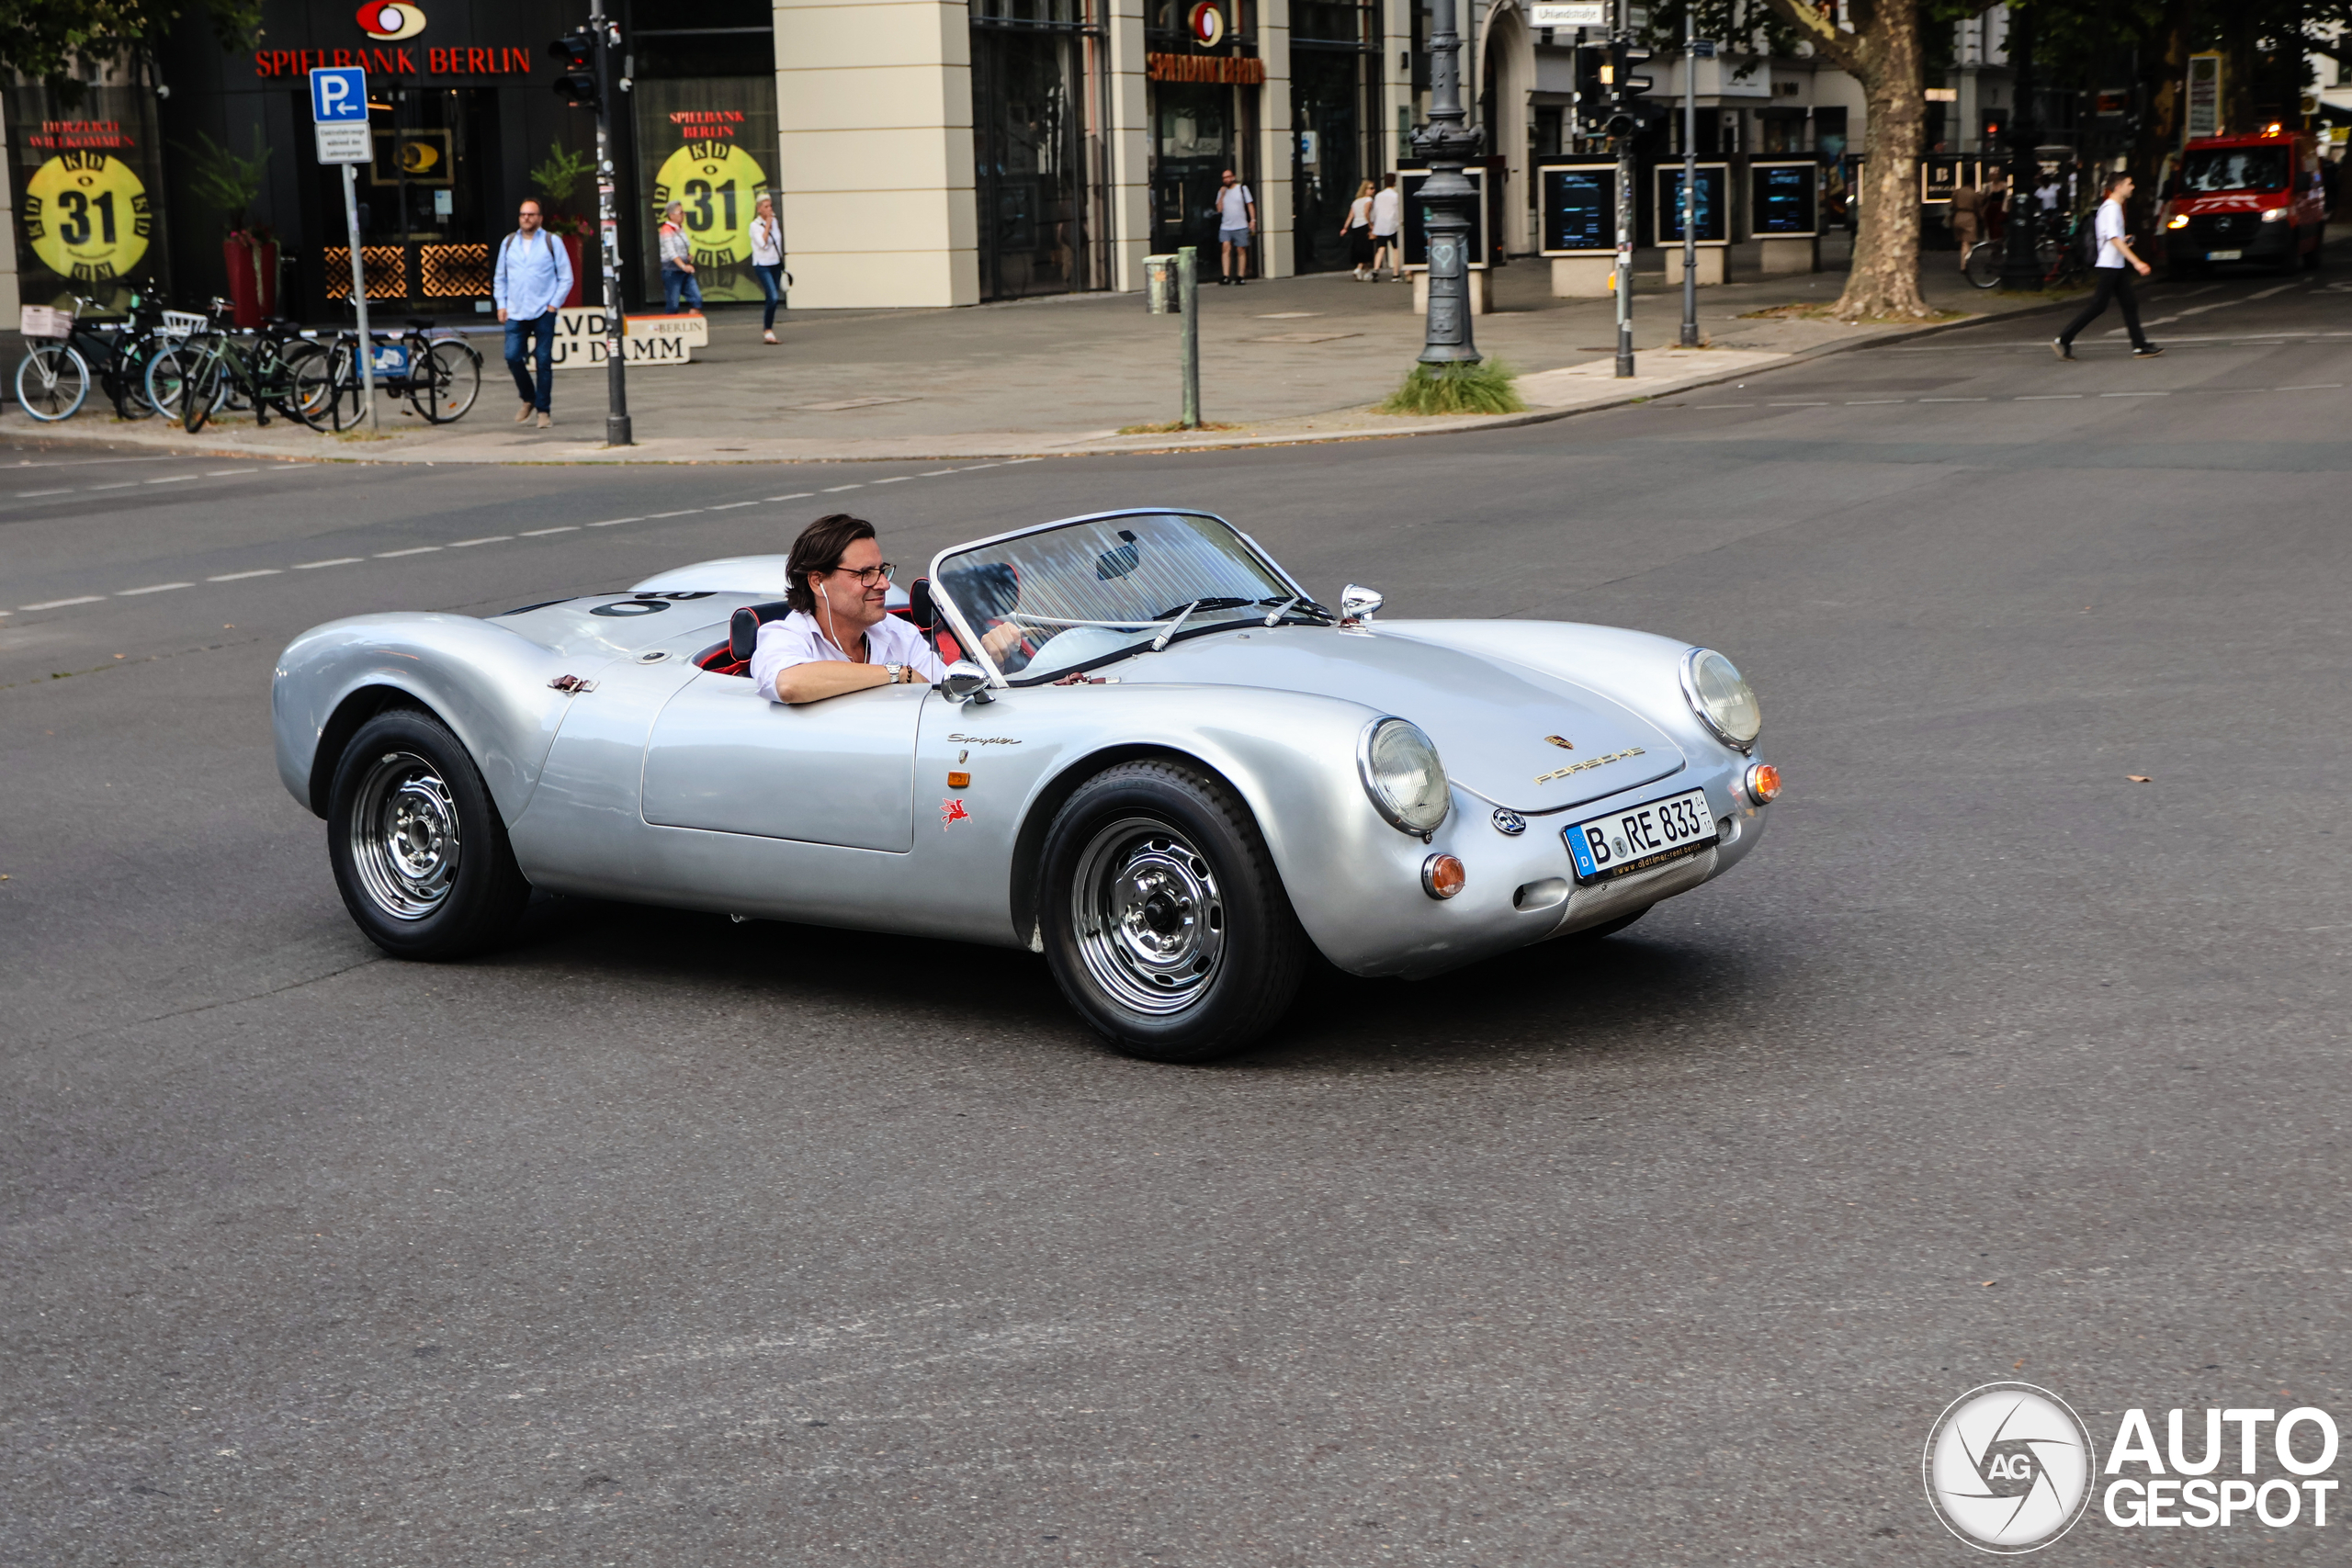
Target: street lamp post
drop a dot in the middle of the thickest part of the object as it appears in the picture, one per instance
(617, 429)
(2021, 267)
(1448, 197)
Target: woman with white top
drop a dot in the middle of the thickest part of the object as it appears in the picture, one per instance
(1357, 232)
(767, 262)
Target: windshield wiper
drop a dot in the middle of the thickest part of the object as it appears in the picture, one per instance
(1177, 625)
(1298, 604)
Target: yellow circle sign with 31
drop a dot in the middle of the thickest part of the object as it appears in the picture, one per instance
(86, 216)
(717, 183)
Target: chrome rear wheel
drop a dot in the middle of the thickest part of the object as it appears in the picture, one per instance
(405, 836)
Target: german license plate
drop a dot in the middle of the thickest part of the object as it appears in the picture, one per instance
(1639, 837)
(2225, 255)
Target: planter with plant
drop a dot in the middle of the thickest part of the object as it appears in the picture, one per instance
(224, 183)
(556, 180)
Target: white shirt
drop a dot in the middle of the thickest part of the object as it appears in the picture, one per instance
(767, 243)
(799, 640)
(1387, 208)
(1359, 212)
(1233, 207)
(2109, 229)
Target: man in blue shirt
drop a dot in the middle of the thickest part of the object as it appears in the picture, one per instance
(534, 279)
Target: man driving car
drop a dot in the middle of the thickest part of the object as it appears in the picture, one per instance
(840, 637)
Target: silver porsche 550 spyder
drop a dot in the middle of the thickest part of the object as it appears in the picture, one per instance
(1179, 774)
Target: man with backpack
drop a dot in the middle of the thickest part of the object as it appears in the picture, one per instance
(2114, 257)
(533, 280)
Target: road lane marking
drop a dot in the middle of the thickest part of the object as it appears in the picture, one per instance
(1796, 405)
(172, 480)
(2312, 387)
(797, 495)
(487, 539)
(240, 575)
(412, 550)
(836, 490)
(151, 588)
(126, 484)
(731, 506)
(615, 522)
(1955, 399)
(933, 473)
(338, 560)
(898, 479)
(60, 603)
(31, 493)
(2135, 394)
(689, 511)
(1876, 402)
(543, 533)
(229, 473)
(2048, 397)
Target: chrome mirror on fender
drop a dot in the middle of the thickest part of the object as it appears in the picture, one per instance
(965, 682)
(1357, 604)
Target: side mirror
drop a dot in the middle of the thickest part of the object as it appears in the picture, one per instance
(1357, 604)
(918, 608)
(965, 682)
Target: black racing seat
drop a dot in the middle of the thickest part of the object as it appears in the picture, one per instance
(743, 626)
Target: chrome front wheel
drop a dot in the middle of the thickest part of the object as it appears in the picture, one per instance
(1149, 917)
(1162, 915)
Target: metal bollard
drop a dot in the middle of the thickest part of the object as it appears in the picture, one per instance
(1160, 285)
(1188, 296)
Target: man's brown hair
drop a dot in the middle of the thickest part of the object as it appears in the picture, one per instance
(820, 550)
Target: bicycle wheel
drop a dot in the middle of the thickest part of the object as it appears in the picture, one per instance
(312, 370)
(202, 387)
(1983, 267)
(52, 381)
(125, 380)
(167, 381)
(450, 382)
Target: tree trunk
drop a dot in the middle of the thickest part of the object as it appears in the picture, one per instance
(1884, 54)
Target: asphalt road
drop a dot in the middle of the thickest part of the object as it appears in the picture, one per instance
(659, 1240)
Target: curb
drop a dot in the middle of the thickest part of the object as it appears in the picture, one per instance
(1496, 422)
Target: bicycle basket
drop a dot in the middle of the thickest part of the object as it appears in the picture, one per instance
(180, 323)
(45, 321)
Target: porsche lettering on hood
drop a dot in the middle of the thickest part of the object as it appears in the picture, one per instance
(1493, 723)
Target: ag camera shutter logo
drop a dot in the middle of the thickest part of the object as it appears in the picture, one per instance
(2008, 1468)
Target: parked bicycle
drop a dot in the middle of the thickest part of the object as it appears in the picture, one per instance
(274, 366)
(438, 372)
(2058, 258)
(53, 380)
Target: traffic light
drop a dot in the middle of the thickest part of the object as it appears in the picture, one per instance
(1627, 113)
(575, 81)
(1592, 75)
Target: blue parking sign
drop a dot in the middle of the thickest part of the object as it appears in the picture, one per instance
(338, 94)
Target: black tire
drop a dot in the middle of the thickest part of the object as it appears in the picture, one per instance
(420, 853)
(1208, 953)
(1982, 266)
(445, 384)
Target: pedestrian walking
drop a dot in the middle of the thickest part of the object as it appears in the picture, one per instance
(1387, 217)
(1236, 221)
(677, 261)
(1357, 232)
(533, 280)
(2113, 270)
(1966, 217)
(767, 262)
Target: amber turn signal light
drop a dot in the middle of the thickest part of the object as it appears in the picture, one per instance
(1763, 783)
(1443, 877)
(959, 780)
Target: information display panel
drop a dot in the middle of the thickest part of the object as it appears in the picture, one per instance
(1416, 237)
(1785, 199)
(1713, 215)
(1578, 206)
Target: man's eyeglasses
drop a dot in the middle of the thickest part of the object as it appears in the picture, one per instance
(867, 576)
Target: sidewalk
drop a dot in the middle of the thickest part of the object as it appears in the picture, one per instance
(1291, 360)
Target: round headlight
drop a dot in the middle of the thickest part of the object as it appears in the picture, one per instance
(1719, 695)
(1403, 775)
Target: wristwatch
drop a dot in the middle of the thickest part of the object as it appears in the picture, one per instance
(897, 673)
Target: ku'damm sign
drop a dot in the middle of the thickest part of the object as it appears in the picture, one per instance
(2010, 1468)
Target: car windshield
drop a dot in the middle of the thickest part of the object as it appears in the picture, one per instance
(2206, 170)
(1066, 599)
